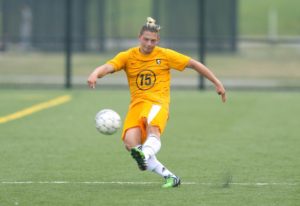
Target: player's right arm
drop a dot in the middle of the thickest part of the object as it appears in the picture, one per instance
(113, 65)
(99, 72)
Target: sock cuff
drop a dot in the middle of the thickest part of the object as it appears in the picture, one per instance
(151, 146)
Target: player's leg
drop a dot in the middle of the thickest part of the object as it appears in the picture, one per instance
(134, 133)
(152, 144)
(144, 124)
(132, 138)
(171, 180)
(150, 148)
(133, 143)
(155, 123)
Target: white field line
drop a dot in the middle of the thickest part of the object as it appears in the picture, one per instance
(147, 183)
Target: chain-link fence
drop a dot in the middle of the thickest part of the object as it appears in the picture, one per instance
(34, 35)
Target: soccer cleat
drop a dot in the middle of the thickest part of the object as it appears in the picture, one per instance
(139, 157)
(171, 181)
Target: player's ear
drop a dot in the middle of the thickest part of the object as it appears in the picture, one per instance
(140, 36)
(158, 39)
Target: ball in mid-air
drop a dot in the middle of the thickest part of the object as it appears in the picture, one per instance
(107, 121)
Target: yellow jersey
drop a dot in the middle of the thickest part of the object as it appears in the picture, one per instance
(149, 75)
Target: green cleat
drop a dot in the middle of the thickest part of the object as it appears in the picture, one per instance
(139, 157)
(171, 181)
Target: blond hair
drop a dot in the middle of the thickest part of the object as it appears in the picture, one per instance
(150, 26)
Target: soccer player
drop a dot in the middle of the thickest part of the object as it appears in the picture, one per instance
(147, 67)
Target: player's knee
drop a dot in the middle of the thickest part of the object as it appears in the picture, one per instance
(132, 138)
(129, 144)
(127, 147)
(153, 130)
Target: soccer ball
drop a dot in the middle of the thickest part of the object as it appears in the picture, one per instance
(107, 121)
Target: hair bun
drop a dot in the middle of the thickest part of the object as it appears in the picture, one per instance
(150, 21)
(151, 24)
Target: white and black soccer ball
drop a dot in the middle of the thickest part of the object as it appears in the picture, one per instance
(107, 121)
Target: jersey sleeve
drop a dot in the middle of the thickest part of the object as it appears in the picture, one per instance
(119, 61)
(177, 60)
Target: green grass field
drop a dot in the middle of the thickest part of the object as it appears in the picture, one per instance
(244, 152)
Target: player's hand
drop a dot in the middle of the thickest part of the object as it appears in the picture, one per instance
(99, 72)
(221, 91)
(92, 81)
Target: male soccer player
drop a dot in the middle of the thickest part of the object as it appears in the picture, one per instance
(147, 67)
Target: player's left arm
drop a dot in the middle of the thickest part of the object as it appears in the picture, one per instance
(203, 70)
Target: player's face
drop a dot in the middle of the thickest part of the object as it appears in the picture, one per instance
(148, 40)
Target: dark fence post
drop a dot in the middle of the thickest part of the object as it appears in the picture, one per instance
(101, 19)
(201, 39)
(68, 42)
(234, 19)
(4, 11)
(82, 31)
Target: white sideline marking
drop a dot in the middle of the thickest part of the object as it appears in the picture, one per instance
(148, 183)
